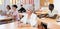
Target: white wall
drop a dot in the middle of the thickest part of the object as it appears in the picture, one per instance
(7, 2)
(37, 4)
(3, 6)
(57, 5)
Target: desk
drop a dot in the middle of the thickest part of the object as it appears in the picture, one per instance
(28, 28)
(4, 22)
(5, 18)
(47, 20)
(51, 23)
(41, 12)
(12, 25)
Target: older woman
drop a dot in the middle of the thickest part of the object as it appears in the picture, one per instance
(29, 18)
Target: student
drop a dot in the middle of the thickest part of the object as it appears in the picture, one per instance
(9, 11)
(15, 13)
(22, 9)
(52, 12)
(30, 18)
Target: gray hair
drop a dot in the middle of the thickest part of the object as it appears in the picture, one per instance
(29, 7)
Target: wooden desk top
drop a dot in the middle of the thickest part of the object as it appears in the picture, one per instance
(53, 26)
(5, 17)
(51, 23)
(14, 25)
(43, 12)
(28, 28)
(47, 20)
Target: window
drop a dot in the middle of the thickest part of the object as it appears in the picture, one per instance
(17, 1)
(14, 1)
(1, 2)
(10, 2)
(21, 1)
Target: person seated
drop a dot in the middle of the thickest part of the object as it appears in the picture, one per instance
(29, 19)
(15, 13)
(22, 9)
(8, 11)
(0, 11)
(52, 13)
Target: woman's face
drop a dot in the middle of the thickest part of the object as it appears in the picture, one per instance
(7, 8)
(13, 8)
(29, 11)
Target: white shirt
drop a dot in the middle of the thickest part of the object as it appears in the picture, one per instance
(52, 13)
(9, 11)
(15, 13)
(32, 21)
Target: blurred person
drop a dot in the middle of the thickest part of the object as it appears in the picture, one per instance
(15, 13)
(52, 12)
(22, 9)
(0, 12)
(9, 11)
(29, 18)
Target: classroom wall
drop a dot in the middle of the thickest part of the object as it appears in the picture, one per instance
(3, 5)
(57, 5)
(7, 2)
(37, 5)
